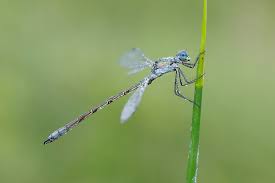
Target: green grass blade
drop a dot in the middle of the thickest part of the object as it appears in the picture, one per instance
(193, 154)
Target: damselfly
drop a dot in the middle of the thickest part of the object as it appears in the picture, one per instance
(136, 61)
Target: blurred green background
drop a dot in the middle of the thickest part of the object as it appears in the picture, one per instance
(59, 58)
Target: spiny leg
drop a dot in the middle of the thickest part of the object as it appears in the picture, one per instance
(181, 74)
(176, 89)
(192, 65)
(181, 83)
(193, 81)
(177, 92)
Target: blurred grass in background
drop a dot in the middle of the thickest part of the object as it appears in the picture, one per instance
(57, 58)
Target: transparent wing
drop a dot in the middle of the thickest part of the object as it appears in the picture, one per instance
(131, 105)
(135, 61)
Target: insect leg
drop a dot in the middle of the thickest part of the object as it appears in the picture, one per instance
(181, 74)
(181, 83)
(177, 92)
(192, 65)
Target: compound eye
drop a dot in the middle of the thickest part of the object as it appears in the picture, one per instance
(183, 54)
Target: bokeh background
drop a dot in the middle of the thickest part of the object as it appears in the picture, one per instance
(59, 58)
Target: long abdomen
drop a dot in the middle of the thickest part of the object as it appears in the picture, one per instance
(63, 130)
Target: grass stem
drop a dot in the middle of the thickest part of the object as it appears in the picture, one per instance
(193, 154)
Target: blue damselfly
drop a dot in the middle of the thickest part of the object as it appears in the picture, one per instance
(136, 61)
